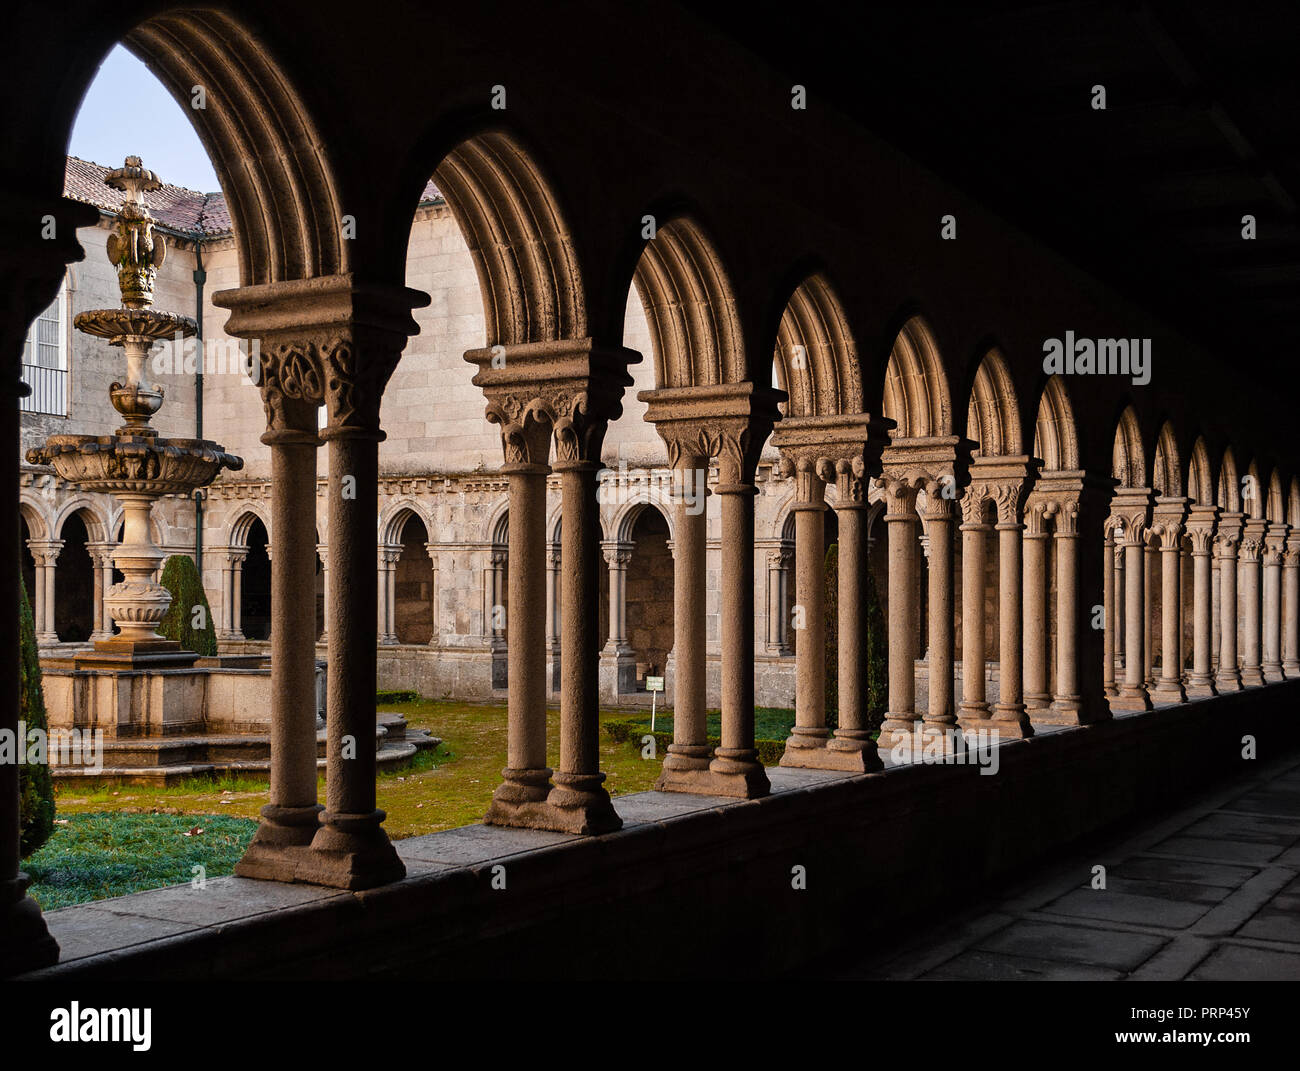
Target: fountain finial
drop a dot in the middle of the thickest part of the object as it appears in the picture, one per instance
(133, 247)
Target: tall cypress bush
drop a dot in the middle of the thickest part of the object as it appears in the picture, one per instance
(35, 785)
(181, 577)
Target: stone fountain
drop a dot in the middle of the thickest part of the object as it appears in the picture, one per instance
(134, 464)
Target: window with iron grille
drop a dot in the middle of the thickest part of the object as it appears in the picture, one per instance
(45, 360)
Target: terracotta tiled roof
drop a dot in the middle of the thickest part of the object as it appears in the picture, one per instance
(186, 212)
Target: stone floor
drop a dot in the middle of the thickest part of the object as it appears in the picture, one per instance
(1209, 893)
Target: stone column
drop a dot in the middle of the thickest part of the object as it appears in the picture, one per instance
(1274, 548)
(1036, 630)
(571, 389)
(939, 517)
(1228, 677)
(291, 818)
(101, 557)
(618, 652)
(31, 269)
(1167, 521)
(1291, 606)
(901, 521)
(1252, 550)
(1067, 702)
(553, 560)
(778, 562)
(1121, 588)
(1200, 531)
(686, 766)
(1216, 589)
(1148, 611)
(237, 557)
(45, 552)
(432, 549)
(851, 748)
(974, 710)
(387, 574)
(335, 341)
(323, 552)
(809, 732)
(1009, 716)
(1130, 511)
(1108, 602)
(730, 422)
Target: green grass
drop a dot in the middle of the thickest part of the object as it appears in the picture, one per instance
(124, 838)
(95, 856)
(770, 723)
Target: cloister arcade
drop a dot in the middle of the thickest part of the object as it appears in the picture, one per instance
(1143, 544)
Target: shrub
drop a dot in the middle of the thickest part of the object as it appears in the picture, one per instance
(396, 695)
(180, 576)
(35, 785)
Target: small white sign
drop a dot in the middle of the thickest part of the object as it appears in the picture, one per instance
(654, 684)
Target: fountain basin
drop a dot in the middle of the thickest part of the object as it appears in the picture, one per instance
(142, 325)
(134, 464)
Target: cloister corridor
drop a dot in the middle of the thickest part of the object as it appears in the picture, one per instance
(589, 355)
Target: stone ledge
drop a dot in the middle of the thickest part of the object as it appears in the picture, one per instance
(688, 877)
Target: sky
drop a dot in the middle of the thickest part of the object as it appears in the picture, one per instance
(127, 112)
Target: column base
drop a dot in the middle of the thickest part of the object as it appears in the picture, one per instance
(579, 804)
(25, 941)
(1229, 682)
(1273, 672)
(895, 729)
(1131, 699)
(1252, 677)
(520, 799)
(853, 751)
(1200, 688)
(1011, 722)
(280, 843)
(351, 851)
(1169, 692)
(737, 772)
(803, 745)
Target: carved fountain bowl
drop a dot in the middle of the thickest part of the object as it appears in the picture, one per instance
(118, 324)
(135, 464)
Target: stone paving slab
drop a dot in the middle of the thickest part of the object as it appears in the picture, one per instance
(84, 930)
(476, 844)
(1209, 892)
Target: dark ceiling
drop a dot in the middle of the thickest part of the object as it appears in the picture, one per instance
(1200, 128)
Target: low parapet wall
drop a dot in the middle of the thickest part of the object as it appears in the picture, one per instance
(693, 885)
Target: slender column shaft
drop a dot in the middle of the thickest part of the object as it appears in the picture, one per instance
(689, 750)
(1291, 611)
(1272, 638)
(737, 757)
(1067, 698)
(1009, 712)
(237, 596)
(810, 645)
(1108, 600)
(579, 790)
(1249, 596)
(1135, 605)
(939, 525)
(1035, 618)
(526, 776)
(1121, 592)
(973, 698)
(851, 666)
(50, 566)
(901, 715)
(1228, 678)
(1148, 614)
(1170, 687)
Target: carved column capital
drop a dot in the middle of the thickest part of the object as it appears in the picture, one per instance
(617, 555)
(728, 421)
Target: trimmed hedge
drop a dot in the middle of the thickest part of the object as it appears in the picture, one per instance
(35, 785)
(181, 577)
(631, 731)
(396, 695)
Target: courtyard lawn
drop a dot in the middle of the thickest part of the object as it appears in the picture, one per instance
(118, 839)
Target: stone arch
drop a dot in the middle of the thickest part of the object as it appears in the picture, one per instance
(694, 327)
(816, 359)
(1056, 438)
(1128, 460)
(238, 529)
(1200, 476)
(1229, 497)
(522, 247)
(394, 517)
(916, 388)
(993, 416)
(1275, 508)
(97, 525)
(497, 528)
(32, 510)
(625, 518)
(1167, 473)
(1293, 503)
(1254, 503)
(270, 156)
